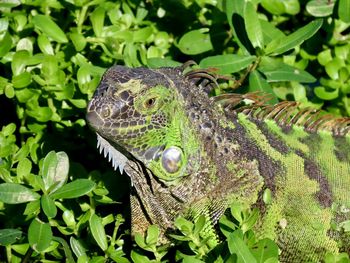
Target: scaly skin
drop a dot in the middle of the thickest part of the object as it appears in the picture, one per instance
(188, 154)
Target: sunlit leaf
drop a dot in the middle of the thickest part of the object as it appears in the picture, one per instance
(264, 250)
(12, 193)
(55, 171)
(97, 19)
(344, 10)
(24, 167)
(49, 28)
(325, 94)
(320, 8)
(283, 44)
(275, 7)
(237, 246)
(74, 189)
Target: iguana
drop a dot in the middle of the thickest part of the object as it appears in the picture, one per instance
(191, 154)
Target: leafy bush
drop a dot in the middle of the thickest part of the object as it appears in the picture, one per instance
(52, 55)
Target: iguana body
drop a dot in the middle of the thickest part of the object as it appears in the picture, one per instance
(189, 154)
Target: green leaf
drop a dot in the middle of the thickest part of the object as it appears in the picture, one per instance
(345, 225)
(97, 20)
(324, 57)
(68, 218)
(9, 91)
(74, 189)
(292, 7)
(5, 44)
(226, 225)
(324, 94)
(236, 210)
(152, 234)
(343, 11)
(45, 45)
(332, 68)
(267, 196)
(259, 83)
(162, 62)
(49, 28)
(77, 247)
(142, 34)
(184, 225)
(237, 246)
(9, 3)
(229, 63)
(235, 12)
(24, 167)
(39, 235)
(140, 240)
(138, 258)
(19, 62)
(11, 193)
(264, 250)
(55, 171)
(9, 236)
(84, 78)
(270, 32)
(252, 26)
(195, 42)
(67, 251)
(48, 206)
(320, 8)
(278, 71)
(342, 52)
(199, 224)
(283, 44)
(191, 259)
(22, 80)
(78, 40)
(98, 231)
(50, 70)
(8, 129)
(275, 7)
(42, 114)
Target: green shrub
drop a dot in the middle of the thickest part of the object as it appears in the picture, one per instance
(52, 55)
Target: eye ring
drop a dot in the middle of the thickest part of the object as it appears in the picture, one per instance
(149, 103)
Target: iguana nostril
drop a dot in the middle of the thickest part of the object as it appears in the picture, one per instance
(105, 111)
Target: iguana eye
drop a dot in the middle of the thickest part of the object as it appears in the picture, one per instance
(149, 103)
(171, 159)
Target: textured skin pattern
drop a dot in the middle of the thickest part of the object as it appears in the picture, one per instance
(226, 155)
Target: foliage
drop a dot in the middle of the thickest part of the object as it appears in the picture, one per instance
(52, 55)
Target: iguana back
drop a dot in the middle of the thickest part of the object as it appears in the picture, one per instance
(189, 154)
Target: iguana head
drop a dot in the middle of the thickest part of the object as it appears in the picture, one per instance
(138, 113)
